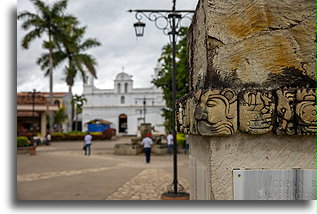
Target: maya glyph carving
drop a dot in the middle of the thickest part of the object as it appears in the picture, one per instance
(256, 108)
(216, 113)
(285, 112)
(306, 111)
(185, 121)
(213, 112)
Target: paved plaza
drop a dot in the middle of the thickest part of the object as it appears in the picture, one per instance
(61, 171)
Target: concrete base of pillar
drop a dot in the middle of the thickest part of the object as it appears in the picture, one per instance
(212, 159)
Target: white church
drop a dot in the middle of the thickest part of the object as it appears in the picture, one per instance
(124, 106)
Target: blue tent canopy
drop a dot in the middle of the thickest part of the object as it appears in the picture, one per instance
(98, 125)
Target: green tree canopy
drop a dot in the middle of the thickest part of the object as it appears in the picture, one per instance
(60, 116)
(164, 79)
(77, 103)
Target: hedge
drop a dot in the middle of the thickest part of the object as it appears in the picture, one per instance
(76, 135)
(22, 141)
(181, 139)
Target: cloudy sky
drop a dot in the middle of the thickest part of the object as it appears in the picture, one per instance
(109, 23)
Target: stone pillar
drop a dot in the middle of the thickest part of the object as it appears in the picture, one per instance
(43, 124)
(252, 95)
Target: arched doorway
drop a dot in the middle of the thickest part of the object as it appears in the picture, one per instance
(123, 123)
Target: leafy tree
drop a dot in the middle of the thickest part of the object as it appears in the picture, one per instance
(78, 101)
(47, 22)
(60, 116)
(164, 79)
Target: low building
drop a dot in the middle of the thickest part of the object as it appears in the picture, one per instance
(28, 114)
(124, 106)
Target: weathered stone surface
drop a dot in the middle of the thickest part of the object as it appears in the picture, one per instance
(306, 111)
(145, 128)
(256, 111)
(262, 44)
(127, 149)
(216, 112)
(197, 50)
(264, 52)
(159, 149)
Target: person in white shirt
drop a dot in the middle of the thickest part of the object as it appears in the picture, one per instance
(147, 144)
(169, 142)
(48, 139)
(87, 144)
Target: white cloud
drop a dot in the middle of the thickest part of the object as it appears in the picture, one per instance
(108, 22)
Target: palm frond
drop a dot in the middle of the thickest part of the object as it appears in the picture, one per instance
(89, 43)
(41, 7)
(36, 23)
(25, 15)
(30, 37)
(58, 58)
(59, 6)
(89, 62)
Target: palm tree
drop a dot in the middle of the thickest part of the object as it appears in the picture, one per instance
(46, 22)
(73, 49)
(78, 101)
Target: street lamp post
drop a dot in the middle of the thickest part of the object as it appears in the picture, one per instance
(144, 105)
(33, 112)
(172, 19)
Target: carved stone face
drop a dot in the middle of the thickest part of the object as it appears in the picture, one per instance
(213, 114)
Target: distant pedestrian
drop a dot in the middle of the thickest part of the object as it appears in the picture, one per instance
(147, 143)
(48, 138)
(186, 145)
(169, 142)
(87, 143)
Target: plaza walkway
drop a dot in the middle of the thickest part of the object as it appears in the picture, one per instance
(62, 172)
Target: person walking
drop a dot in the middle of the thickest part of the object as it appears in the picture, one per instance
(87, 144)
(147, 143)
(169, 142)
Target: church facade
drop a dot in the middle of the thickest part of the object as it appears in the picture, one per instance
(124, 106)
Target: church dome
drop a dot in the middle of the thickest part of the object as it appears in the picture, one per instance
(123, 76)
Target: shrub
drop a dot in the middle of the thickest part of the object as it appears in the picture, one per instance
(77, 135)
(22, 141)
(181, 140)
(95, 133)
(73, 133)
(58, 136)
